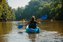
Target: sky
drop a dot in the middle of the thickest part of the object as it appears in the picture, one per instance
(17, 3)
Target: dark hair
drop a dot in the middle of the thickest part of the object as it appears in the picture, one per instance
(32, 19)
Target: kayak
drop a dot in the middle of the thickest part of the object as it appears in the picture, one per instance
(31, 30)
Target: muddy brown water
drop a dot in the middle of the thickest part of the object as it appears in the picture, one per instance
(50, 32)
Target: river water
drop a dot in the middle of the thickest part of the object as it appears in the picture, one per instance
(50, 32)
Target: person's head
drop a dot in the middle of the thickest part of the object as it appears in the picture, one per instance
(33, 18)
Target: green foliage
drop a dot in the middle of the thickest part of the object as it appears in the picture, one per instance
(5, 11)
(39, 8)
(19, 13)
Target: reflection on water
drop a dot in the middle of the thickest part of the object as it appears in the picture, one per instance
(32, 37)
(5, 27)
(9, 33)
(2, 39)
(49, 36)
(52, 26)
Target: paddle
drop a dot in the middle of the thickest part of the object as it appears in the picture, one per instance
(20, 26)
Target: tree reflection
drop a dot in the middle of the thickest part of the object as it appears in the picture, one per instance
(4, 27)
(2, 39)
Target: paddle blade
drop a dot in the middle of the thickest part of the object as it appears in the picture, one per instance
(20, 26)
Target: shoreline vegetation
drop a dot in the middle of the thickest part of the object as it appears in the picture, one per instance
(51, 8)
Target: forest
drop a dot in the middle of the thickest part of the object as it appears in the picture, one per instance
(51, 9)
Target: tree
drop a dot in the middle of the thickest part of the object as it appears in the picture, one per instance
(51, 8)
(6, 11)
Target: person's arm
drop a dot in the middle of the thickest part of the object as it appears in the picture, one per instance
(27, 23)
(38, 22)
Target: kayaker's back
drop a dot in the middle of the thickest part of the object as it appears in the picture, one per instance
(33, 25)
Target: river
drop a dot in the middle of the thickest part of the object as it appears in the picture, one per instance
(50, 32)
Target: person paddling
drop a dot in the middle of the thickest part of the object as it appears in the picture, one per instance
(32, 23)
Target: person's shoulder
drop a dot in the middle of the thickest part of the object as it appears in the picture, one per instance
(35, 21)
